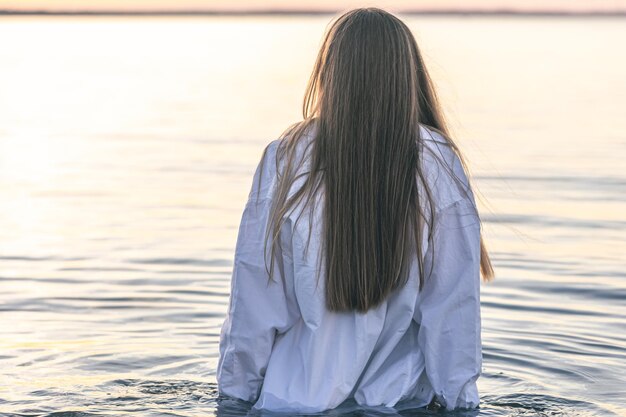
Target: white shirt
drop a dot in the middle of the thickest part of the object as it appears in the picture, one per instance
(282, 350)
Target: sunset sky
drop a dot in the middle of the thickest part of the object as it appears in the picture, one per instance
(125, 5)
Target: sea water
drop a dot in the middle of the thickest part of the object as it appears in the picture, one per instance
(127, 148)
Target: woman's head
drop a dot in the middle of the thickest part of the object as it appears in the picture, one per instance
(368, 64)
(368, 94)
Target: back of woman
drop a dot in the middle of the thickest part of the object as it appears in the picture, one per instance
(358, 260)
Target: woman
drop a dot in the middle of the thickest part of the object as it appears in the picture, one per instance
(358, 260)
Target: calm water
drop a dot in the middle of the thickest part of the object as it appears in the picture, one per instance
(127, 148)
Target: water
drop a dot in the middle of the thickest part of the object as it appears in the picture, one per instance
(127, 148)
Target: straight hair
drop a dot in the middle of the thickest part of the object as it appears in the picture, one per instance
(367, 95)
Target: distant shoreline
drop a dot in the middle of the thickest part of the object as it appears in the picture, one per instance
(283, 12)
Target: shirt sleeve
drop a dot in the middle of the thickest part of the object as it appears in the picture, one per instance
(449, 307)
(257, 311)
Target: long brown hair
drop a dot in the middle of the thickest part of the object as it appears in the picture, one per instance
(368, 94)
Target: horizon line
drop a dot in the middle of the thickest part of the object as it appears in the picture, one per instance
(287, 12)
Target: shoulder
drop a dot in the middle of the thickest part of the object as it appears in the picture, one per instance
(293, 146)
(297, 137)
(264, 178)
(443, 170)
(276, 153)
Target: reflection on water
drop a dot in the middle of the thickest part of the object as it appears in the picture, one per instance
(127, 148)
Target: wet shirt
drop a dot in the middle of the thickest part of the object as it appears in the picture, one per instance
(282, 350)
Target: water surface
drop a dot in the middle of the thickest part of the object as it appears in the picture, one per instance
(127, 147)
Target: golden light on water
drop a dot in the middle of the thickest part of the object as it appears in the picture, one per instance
(127, 148)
